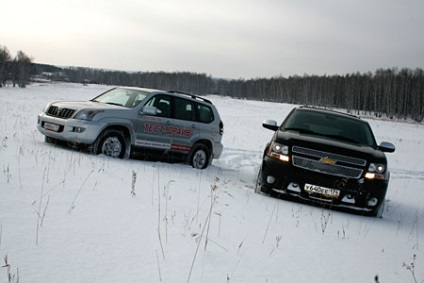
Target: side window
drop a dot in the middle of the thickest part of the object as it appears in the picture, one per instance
(184, 109)
(205, 113)
(163, 104)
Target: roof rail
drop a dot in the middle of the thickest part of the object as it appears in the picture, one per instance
(191, 95)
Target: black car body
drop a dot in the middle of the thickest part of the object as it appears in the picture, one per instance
(327, 157)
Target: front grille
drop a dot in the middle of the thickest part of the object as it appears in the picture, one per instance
(323, 154)
(311, 160)
(330, 169)
(63, 113)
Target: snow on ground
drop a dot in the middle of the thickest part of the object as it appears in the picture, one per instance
(67, 216)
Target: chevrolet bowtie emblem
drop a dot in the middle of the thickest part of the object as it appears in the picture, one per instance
(327, 160)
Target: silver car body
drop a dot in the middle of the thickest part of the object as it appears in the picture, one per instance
(70, 121)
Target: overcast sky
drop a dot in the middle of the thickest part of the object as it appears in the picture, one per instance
(222, 38)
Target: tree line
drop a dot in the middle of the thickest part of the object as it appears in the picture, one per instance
(386, 92)
(18, 69)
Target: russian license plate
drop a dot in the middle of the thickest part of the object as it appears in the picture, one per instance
(51, 127)
(312, 189)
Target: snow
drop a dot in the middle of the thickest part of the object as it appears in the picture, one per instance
(67, 216)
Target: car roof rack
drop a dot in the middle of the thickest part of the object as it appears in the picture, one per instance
(191, 95)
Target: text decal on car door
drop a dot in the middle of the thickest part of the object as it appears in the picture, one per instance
(169, 131)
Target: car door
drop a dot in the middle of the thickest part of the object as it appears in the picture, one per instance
(184, 127)
(152, 129)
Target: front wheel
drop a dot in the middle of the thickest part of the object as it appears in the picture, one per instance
(258, 183)
(199, 157)
(110, 143)
(378, 211)
(259, 187)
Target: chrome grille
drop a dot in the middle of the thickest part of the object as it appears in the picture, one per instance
(323, 154)
(330, 169)
(63, 113)
(311, 160)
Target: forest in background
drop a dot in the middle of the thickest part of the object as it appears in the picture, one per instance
(391, 92)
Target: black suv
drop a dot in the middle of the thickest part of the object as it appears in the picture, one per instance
(327, 157)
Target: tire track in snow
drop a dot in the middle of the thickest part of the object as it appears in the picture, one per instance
(406, 174)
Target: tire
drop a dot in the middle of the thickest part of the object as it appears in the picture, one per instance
(48, 139)
(378, 211)
(199, 157)
(259, 188)
(258, 183)
(110, 143)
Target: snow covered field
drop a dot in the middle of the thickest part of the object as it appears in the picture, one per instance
(67, 216)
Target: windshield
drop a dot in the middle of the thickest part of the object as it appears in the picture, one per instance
(122, 97)
(337, 127)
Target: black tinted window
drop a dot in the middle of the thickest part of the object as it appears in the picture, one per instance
(205, 113)
(163, 105)
(184, 109)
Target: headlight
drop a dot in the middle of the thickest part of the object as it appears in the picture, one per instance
(46, 107)
(377, 168)
(279, 151)
(376, 171)
(86, 114)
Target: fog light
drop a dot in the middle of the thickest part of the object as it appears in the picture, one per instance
(78, 129)
(369, 175)
(372, 202)
(270, 179)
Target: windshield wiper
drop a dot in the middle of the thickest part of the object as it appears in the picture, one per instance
(336, 137)
(301, 130)
(113, 103)
(342, 138)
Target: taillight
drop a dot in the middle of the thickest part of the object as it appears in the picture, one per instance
(221, 128)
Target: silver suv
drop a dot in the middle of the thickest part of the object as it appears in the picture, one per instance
(124, 120)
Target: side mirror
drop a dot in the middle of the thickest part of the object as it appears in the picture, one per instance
(149, 110)
(270, 124)
(386, 147)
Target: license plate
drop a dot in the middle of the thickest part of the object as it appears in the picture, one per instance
(51, 127)
(312, 189)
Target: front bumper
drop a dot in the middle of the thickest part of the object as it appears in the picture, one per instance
(358, 194)
(69, 130)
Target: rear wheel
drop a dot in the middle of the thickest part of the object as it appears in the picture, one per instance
(199, 157)
(110, 143)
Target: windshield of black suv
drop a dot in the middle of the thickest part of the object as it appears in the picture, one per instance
(333, 126)
(122, 97)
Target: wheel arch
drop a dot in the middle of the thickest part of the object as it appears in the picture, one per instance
(128, 136)
(206, 143)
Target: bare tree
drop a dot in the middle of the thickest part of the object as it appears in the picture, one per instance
(5, 60)
(21, 69)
